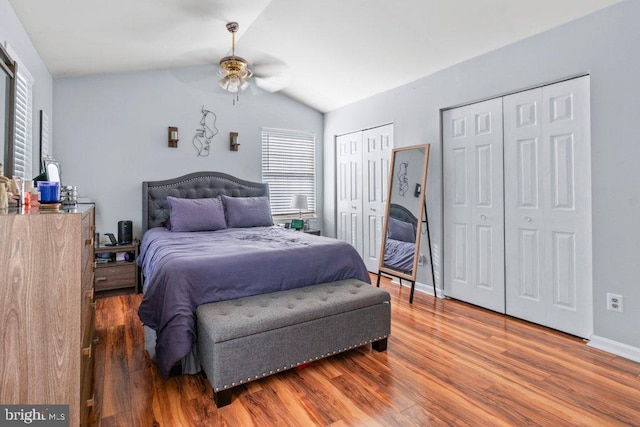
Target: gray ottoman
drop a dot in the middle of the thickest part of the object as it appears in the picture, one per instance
(250, 338)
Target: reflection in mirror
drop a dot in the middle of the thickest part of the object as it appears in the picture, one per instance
(403, 218)
(53, 174)
(51, 169)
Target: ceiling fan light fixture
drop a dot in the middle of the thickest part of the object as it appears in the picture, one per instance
(234, 70)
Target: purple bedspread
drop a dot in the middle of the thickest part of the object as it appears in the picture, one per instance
(185, 269)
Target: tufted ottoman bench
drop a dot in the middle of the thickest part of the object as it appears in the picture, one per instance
(249, 338)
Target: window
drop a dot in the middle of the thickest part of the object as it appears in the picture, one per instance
(289, 166)
(23, 132)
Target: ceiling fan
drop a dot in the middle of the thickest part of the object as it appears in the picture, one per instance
(235, 71)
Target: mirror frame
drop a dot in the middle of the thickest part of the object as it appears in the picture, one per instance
(421, 202)
(9, 67)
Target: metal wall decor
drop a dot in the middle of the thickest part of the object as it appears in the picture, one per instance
(203, 136)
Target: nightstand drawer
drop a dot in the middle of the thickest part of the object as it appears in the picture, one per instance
(115, 276)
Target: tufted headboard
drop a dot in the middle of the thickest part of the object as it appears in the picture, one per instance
(401, 213)
(197, 185)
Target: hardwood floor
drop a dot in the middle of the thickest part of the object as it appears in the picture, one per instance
(447, 363)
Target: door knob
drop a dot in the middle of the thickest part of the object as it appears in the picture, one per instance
(483, 217)
(527, 219)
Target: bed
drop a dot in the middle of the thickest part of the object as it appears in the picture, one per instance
(185, 268)
(400, 245)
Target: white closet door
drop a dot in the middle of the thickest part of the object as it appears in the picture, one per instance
(349, 191)
(376, 151)
(548, 206)
(473, 204)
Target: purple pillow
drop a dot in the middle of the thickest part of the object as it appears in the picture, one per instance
(402, 231)
(196, 214)
(243, 212)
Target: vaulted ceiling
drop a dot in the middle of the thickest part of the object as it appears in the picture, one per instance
(329, 53)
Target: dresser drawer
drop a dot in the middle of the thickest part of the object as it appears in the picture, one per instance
(115, 276)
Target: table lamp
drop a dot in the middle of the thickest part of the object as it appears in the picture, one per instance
(299, 201)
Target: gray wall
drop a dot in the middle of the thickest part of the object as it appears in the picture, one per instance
(12, 32)
(111, 133)
(605, 45)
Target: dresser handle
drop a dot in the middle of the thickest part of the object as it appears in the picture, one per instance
(87, 351)
(101, 279)
(91, 401)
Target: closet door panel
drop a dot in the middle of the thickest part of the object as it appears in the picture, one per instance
(474, 218)
(524, 216)
(457, 205)
(376, 153)
(548, 206)
(566, 129)
(349, 203)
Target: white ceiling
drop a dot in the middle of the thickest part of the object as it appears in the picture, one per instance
(337, 51)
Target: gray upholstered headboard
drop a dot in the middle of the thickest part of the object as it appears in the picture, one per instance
(403, 214)
(197, 185)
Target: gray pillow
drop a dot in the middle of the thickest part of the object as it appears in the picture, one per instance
(196, 214)
(243, 212)
(402, 231)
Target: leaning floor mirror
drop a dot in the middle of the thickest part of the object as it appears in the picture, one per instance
(400, 247)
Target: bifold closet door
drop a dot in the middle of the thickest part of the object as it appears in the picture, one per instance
(376, 153)
(349, 191)
(548, 206)
(473, 204)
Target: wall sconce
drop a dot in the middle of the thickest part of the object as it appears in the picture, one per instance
(172, 134)
(233, 141)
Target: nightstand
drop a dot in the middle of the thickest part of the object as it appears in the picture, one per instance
(118, 273)
(312, 231)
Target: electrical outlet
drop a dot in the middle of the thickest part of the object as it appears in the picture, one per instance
(615, 302)
(420, 259)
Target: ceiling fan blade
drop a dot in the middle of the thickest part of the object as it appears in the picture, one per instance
(273, 83)
(271, 74)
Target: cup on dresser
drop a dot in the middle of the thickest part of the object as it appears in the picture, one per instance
(49, 192)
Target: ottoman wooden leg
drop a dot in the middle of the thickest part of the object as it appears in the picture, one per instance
(222, 398)
(380, 345)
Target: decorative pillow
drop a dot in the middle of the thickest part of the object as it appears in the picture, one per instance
(402, 231)
(196, 214)
(243, 212)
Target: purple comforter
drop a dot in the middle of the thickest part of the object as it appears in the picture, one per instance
(185, 269)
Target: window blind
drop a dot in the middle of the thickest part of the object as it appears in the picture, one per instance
(23, 132)
(289, 166)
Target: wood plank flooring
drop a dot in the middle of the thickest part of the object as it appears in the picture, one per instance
(447, 363)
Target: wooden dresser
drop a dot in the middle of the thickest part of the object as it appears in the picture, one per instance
(47, 309)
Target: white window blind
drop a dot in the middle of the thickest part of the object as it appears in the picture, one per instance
(23, 132)
(289, 166)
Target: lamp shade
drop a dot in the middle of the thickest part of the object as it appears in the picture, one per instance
(299, 201)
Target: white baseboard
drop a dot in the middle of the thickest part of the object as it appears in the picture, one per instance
(614, 347)
(421, 287)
